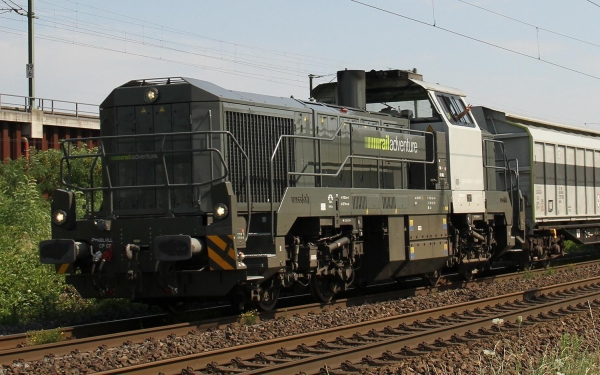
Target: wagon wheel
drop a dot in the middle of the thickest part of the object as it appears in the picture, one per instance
(268, 298)
(432, 278)
(323, 288)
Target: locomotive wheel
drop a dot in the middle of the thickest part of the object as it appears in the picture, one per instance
(269, 298)
(526, 261)
(173, 307)
(466, 274)
(432, 278)
(323, 289)
(545, 262)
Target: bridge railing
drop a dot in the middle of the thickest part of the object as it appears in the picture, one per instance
(50, 106)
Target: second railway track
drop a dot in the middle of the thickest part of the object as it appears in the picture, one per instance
(31, 353)
(352, 347)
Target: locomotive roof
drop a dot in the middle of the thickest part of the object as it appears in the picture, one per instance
(438, 88)
(207, 91)
(533, 122)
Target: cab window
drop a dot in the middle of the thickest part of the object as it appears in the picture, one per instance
(415, 109)
(454, 110)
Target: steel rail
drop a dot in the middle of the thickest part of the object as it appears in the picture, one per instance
(89, 337)
(314, 358)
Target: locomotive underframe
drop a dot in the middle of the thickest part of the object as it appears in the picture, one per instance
(354, 240)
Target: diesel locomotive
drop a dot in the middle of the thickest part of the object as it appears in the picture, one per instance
(206, 192)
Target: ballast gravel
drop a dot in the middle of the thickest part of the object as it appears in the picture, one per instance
(464, 359)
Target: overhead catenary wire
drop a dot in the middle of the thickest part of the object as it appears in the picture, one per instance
(264, 59)
(263, 77)
(477, 40)
(13, 7)
(296, 65)
(131, 37)
(589, 1)
(126, 39)
(152, 25)
(530, 24)
(297, 75)
(66, 19)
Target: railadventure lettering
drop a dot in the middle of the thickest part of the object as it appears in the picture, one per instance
(389, 144)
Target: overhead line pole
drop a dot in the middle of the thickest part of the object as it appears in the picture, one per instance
(30, 70)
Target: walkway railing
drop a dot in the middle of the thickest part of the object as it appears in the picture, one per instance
(49, 106)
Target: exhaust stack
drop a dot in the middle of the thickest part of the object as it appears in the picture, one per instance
(352, 89)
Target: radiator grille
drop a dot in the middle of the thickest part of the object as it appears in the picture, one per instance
(359, 202)
(258, 136)
(389, 202)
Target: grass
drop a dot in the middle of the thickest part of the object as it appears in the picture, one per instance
(528, 275)
(45, 336)
(570, 355)
(248, 318)
(549, 272)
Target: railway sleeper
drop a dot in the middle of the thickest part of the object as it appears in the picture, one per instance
(373, 362)
(262, 357)
(237, 361)
(389, 356)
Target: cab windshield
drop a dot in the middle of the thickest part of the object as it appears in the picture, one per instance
(455, 109)
(419, 110)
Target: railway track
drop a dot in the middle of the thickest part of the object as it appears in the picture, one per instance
(376, 343)
(29, 353)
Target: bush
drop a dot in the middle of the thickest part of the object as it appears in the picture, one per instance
(29, 290)
(25, 284)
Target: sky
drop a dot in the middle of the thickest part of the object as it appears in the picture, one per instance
(536, 58)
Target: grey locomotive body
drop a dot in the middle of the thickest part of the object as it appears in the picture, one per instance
(207, 192)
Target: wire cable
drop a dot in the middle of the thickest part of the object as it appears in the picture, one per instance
(159, 27)
(477, 40)
(529, 24)
(234, 55)
(263, 77)
(589, 1)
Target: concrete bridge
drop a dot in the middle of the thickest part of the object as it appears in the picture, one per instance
(43, 124)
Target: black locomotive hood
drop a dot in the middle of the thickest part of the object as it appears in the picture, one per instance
(170, 91)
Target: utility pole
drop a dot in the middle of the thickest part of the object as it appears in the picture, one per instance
(310, 80)
(30, 14)
(30, 70)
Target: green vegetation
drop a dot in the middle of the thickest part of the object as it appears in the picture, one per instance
(572, 354)
(529, 274)
(29, 290)
(45, 336)
(573, 248)
(248, 318)
(550, 272)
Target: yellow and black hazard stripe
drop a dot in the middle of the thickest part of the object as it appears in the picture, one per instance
(221, 253)
(63, 268)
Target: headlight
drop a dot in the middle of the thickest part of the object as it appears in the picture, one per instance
(221, 211)
(151, 94)
(59, 217)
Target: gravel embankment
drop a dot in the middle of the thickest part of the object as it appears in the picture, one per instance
(470, 357)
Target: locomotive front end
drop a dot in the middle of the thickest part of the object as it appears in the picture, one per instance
(158, 217)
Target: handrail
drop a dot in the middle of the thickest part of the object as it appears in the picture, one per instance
(348, 157)
(67, 143)
(502, 168)
(51, 106)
